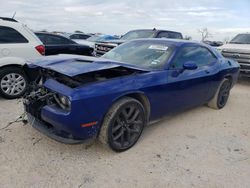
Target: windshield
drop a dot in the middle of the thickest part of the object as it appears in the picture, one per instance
(138, 34)
(94, 38)
(241, 39)
(144, 54)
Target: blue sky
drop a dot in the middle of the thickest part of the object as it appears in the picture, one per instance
(223, 18)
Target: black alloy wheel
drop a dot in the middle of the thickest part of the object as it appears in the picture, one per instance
(224, 94)
(123, 124)
(127, 126)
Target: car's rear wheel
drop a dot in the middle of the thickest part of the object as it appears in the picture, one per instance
(13, 82)
(123, 124)
(221, 97)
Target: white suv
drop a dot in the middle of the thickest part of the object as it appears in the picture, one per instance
(239, 49)
(17, 44)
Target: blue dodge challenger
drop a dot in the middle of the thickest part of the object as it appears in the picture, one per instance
(112, 98)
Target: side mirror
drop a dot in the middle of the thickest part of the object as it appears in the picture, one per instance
(190, 65)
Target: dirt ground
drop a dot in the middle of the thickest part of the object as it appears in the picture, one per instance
(198, 148)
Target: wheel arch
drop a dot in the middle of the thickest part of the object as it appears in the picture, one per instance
(11, 61)
(11, 65)
(230, 78)
(141, 97)
(14, 66)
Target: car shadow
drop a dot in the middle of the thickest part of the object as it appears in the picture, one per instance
(93, 146)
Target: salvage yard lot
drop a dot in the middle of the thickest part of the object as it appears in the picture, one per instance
(200, 147)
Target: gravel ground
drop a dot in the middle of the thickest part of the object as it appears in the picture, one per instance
(201, 147)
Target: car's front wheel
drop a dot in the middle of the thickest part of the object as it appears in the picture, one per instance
(123, 124)
(221, 97)
(13, 82)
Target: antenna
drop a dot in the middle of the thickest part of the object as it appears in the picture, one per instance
(14, 15)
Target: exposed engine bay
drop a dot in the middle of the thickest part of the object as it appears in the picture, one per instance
(43, 74)
(38, 96)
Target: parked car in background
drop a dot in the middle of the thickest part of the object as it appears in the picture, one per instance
(103, 47)
(79, 36)
(213, 43)
(17, 44)
(57, 44)
(113, 97)
(91, 41)
(239, 49)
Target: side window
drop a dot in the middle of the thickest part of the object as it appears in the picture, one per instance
(42, 38)
(77, 36)
(66, 41)
(10, 35)
(163, 35)
(175, 36)
(52, 39)
(199, 55)
(74, 37)
(83, 36)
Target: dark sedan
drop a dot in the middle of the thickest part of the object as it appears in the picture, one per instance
(56, 44)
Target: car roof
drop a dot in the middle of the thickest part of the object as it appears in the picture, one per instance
(47, 33)
(79, 34)
(156, 30)
(10, 23)
(244, 33)
(175, 42)
(8, 19)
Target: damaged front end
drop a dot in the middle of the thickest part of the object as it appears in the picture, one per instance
(37, 99)
(40, 104)
(37, 95)
(60, 105)
(48, 110)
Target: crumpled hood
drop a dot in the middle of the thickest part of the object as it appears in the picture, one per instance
(235, 48)
(73, 65)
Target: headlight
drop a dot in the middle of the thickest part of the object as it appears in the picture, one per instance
(63, 101)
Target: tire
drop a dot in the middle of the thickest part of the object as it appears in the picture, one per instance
(13, 82)
(123, 124)
(222, 94)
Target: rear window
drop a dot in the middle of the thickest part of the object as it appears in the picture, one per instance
(241, 39)
(170, 35)
(10, 35)
(53, 39)
(137, 34)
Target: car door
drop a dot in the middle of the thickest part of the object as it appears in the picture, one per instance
(189, 88)
(71, 47)
(55, 45)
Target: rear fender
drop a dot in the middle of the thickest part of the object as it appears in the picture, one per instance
(6, 61)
